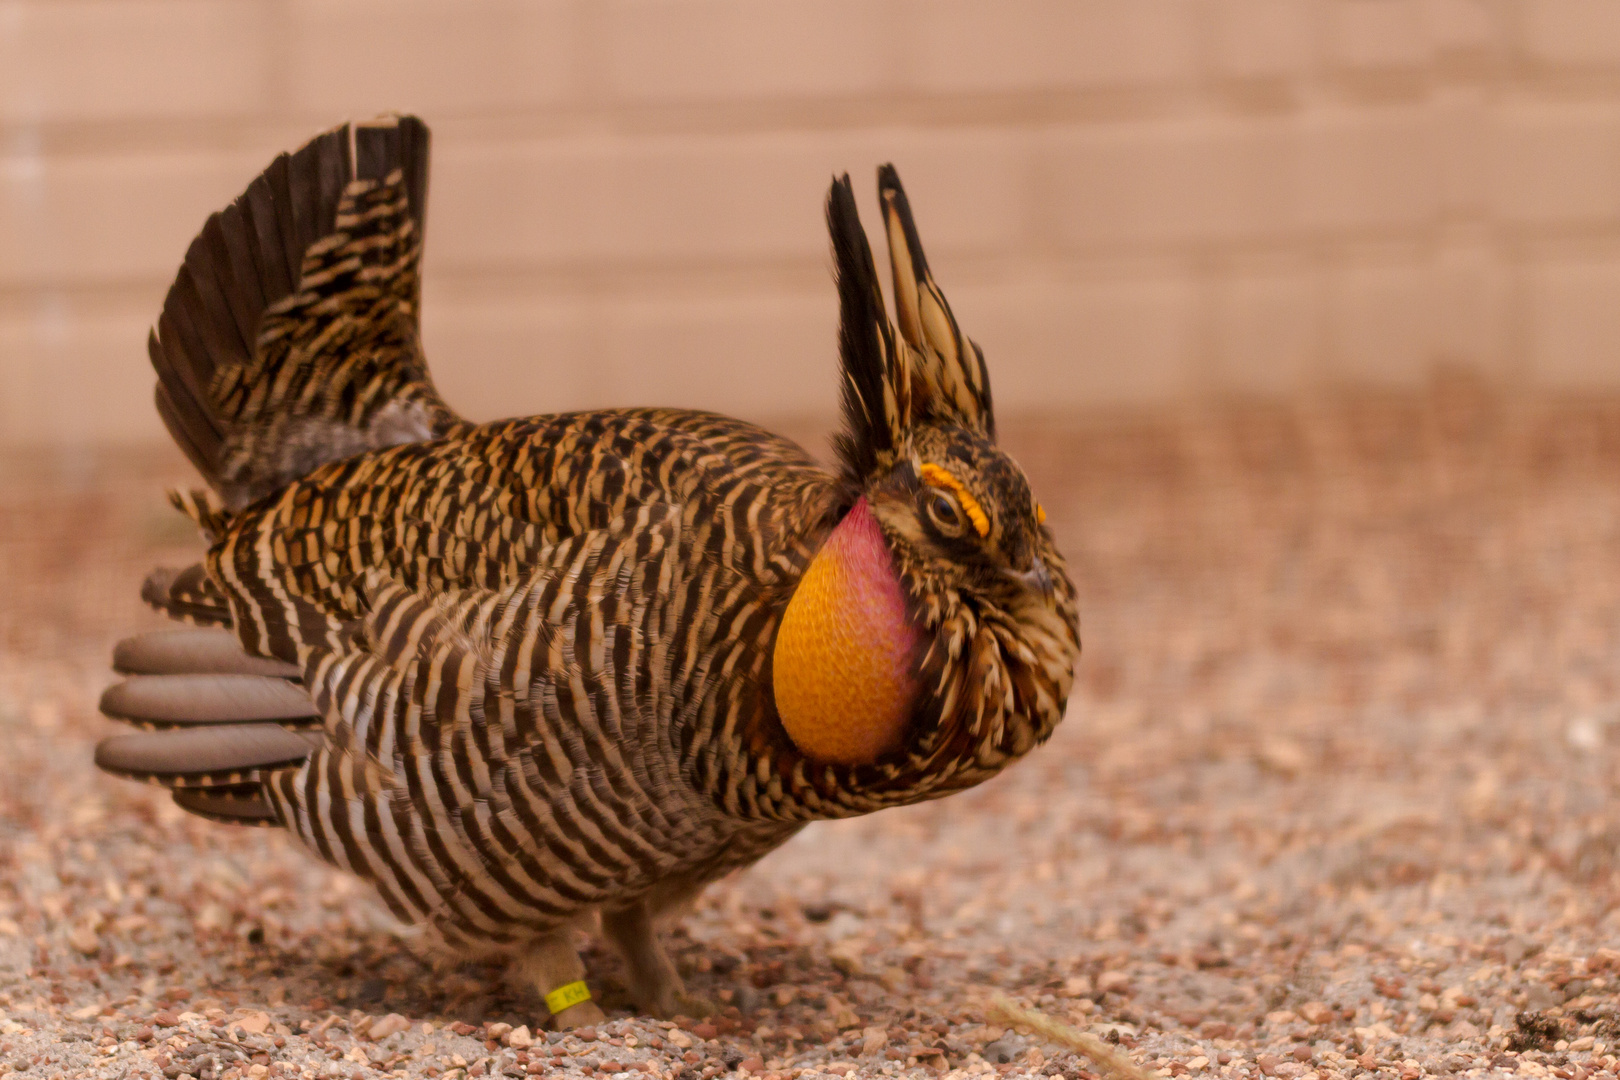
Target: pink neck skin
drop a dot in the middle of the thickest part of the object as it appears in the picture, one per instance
(876, 602)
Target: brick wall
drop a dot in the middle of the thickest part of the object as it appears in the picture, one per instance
(1124, 199)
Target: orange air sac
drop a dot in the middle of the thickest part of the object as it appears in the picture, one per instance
(846, 654)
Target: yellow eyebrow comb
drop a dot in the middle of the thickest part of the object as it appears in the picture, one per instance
(935, 476)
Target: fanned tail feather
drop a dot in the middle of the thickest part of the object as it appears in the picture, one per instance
(289, 338)
(188, 595)
(192, 652)
(205, 510)
(217, 722)
(245, 804)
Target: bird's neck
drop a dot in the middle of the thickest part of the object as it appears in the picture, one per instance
(846, 654)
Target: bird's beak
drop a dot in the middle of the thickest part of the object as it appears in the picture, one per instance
(1037, 578)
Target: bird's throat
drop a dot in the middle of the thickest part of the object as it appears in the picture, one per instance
(844, 667)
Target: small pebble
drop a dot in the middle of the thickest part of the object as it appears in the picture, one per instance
(1004, 1050)
(84, 939)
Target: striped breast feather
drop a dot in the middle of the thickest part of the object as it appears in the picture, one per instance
(497, 759)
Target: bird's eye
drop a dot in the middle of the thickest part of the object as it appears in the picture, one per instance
(950, 504)
(944, 512)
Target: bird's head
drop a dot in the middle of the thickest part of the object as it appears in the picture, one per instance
(933, 637)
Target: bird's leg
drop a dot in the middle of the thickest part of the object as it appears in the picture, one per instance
(654, 982)
(555, 969)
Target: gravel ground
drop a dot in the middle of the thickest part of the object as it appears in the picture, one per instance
(1333, 799)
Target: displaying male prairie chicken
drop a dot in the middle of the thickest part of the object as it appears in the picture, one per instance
(520, 674)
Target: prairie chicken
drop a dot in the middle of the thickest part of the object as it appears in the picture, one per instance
(523, 674)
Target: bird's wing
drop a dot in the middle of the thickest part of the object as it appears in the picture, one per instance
(499, 756)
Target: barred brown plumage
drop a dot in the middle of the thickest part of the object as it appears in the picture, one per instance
(518, 673)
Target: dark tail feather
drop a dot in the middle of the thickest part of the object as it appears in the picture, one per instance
(205, 755)
(244, 805)
(289, 337)
(219, 723)
(162, 701)
(193, 652)
(188, 595)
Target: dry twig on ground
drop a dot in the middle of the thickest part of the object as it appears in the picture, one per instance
(1110, 1062)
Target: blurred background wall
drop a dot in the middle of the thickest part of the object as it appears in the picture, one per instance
(1125, 200)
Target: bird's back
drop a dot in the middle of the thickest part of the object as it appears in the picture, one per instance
(488, 505)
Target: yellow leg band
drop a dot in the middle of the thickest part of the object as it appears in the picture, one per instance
(566, 997)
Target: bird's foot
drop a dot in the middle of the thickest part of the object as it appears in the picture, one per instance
(654, 983)
(552, 966)
(585, 1014)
